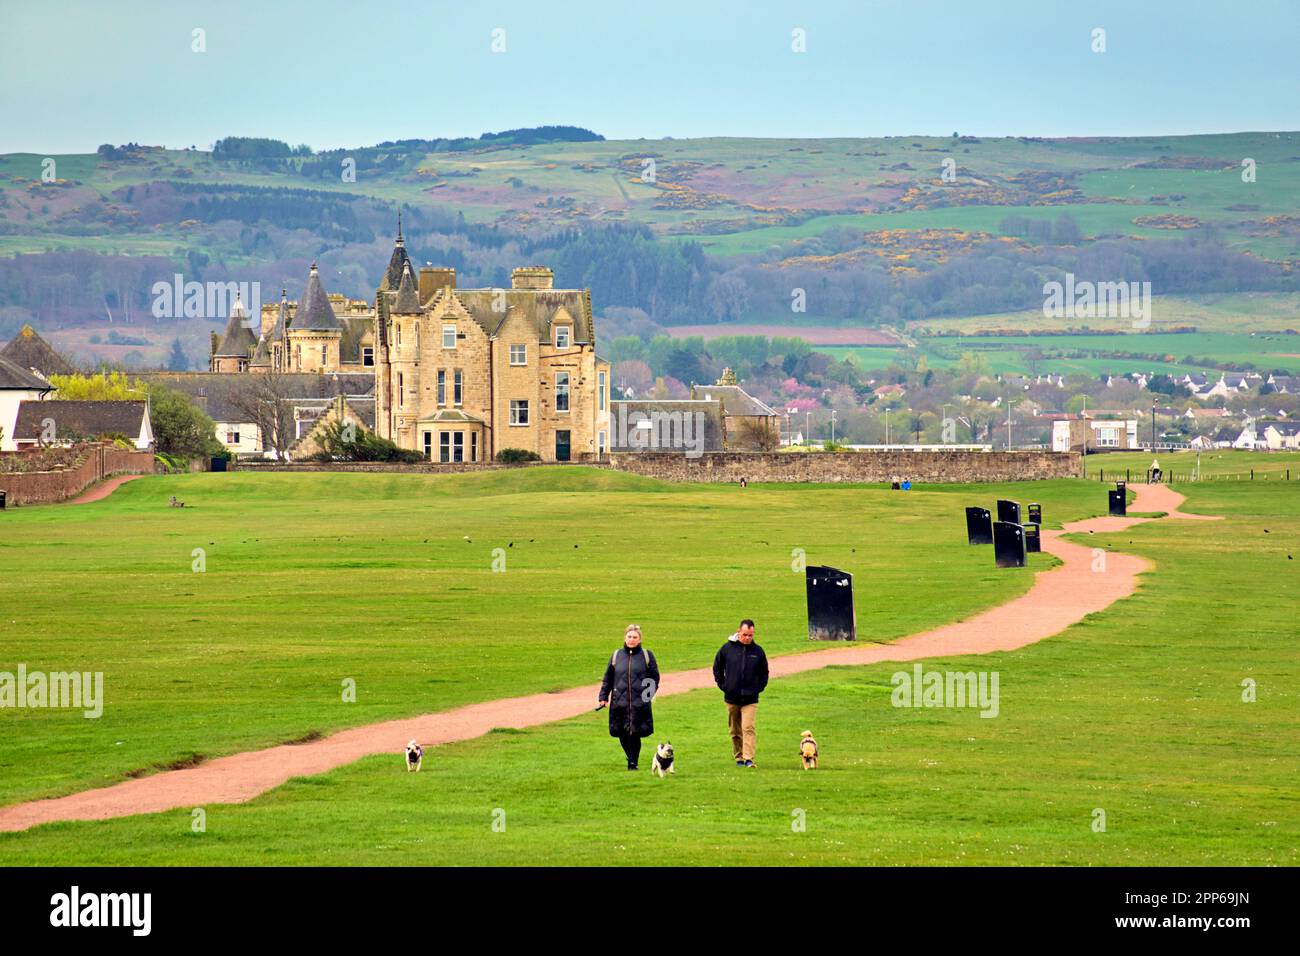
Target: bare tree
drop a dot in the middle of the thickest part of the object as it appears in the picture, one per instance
(263, 399)
(757, 434)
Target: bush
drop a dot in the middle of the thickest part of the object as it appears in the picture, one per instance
(363, 446)
(516, 456)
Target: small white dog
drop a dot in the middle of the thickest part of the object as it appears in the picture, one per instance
(663, 762)
(414, 757)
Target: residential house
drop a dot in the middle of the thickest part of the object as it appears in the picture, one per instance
(56, 422)
(18, 386)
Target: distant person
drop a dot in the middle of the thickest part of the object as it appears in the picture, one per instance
(630, 684)
(744, 482)
(740, 671)
(907, 484)
(894, 483)
(1155, 470)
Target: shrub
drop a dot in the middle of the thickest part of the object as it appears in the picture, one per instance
(363, 446)
(515, 456)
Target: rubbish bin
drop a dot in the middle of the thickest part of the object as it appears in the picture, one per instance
(831, 616)
(1118, 503)
(1033, 538)
(1008, 545)
(218, 464)
(1009, 511)
(2, 500)
(1036, 513)
(979, 526)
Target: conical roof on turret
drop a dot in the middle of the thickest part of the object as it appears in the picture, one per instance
(397, 262)
(407, 300)
(314, 311)
(238, 338)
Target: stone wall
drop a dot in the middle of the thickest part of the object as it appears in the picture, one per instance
(99, 462)
(390, 467)
(927, 467)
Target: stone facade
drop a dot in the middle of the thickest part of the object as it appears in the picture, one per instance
(920, 466)
(462, 374)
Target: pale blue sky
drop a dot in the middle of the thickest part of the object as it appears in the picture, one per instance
(332, 74)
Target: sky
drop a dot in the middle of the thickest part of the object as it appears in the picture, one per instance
(334, 74)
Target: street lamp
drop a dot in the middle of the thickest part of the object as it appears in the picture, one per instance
(832, 426)
(944, 425)
(886, 424)
(1009, 404)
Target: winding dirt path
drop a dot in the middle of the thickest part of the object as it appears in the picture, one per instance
(102, 490)
(1058, 598)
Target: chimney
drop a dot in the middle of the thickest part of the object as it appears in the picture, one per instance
(434, 278)
(532, 277)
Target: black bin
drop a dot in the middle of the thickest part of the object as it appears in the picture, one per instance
(218, 464)
(2, 501)
(1008, 545)
(1036, 513)
(1118, 503)
(831, 616)
(1009, 511)
(1033, 538)
(979, 526)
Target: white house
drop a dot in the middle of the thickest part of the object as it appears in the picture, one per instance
(1281, 435)
(17, 385)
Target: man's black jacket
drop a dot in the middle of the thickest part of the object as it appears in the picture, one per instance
(740, 671)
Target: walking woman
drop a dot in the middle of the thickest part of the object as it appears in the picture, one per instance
(630, 684)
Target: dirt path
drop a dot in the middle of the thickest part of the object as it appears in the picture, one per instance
(1058, 598)
(102, 490)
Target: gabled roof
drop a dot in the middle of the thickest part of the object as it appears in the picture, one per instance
(28, 350)
(238, 338)
(1282, 428)
(13, 377)
(80, 419)
(315, 311)
(539, 307)
(735, 400)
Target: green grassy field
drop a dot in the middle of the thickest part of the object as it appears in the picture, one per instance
(1136, 711)
(314, 579)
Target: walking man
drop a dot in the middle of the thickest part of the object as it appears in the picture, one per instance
(740, 671)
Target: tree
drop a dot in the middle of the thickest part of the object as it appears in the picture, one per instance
(180, 427)
(177, 361)
(757, 435)
(263, 399)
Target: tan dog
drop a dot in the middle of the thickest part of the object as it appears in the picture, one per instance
(665, 760)
(808, 750)
(414, 757)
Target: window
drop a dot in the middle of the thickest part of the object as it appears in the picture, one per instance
(417, 335)
(428, 446)
(601, 389)
(232, 437)
(324, 355)
(457, 446)
(397, 330)
(473, 446)
(449, 336)
(519, 355)
(518, 411)
(297, 356)
(457, 391)
(561, 391)
(367, 356)
(600, 442)
(442, 386)
(561, 336)
(444, 447)
(401, 392)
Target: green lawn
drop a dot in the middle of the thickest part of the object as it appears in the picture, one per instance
(314, 579)
(1136, 711)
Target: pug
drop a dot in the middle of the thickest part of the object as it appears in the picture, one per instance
(414, 757)
(808, 750)
(663, 761)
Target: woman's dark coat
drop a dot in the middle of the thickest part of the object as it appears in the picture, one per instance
(630, 683)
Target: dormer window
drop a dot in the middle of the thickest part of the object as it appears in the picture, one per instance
(449, 336)
(562, 336)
